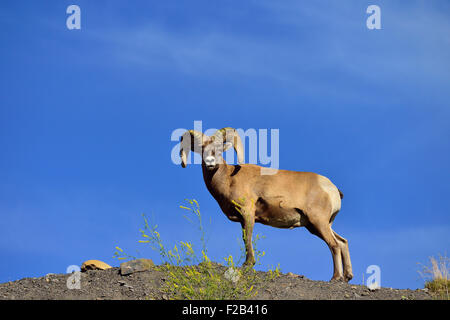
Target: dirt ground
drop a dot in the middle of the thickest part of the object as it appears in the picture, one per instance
(111, 285)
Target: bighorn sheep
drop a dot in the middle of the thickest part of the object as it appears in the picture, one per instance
(286, 199)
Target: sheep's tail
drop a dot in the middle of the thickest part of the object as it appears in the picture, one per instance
(341, 194)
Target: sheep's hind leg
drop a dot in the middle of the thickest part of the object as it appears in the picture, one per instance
(348, 274)
(322, 229)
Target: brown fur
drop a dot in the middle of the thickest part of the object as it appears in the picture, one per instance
(287, 199)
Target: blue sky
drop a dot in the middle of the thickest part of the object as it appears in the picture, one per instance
(86, 118)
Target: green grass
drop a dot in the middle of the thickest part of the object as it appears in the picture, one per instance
(191, 275)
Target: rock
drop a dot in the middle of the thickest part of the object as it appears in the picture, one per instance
(137, 265)
(290, 274)
(94, 265)
(48, 275)
(124, 284)
(373, 286)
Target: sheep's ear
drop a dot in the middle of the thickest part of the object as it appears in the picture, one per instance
(191, 141)
(183, 152)
(183, 156)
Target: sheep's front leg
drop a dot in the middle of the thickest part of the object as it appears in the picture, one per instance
(247, 232)
(246, 210)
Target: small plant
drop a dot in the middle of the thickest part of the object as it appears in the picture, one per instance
(191, 276)
(436, 277)
(120, 255)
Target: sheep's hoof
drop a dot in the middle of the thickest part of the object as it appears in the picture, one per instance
(337, 279)
(249, 263)
(348, 277)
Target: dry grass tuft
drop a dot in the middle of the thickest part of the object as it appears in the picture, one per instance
(437, 277)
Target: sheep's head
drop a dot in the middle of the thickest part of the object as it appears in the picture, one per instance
(211, 148)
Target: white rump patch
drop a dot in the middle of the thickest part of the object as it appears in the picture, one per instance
(332, 192)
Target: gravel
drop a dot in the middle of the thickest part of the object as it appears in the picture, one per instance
(146, 285)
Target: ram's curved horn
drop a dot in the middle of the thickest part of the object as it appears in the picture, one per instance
(191, 140)
(228, 134)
